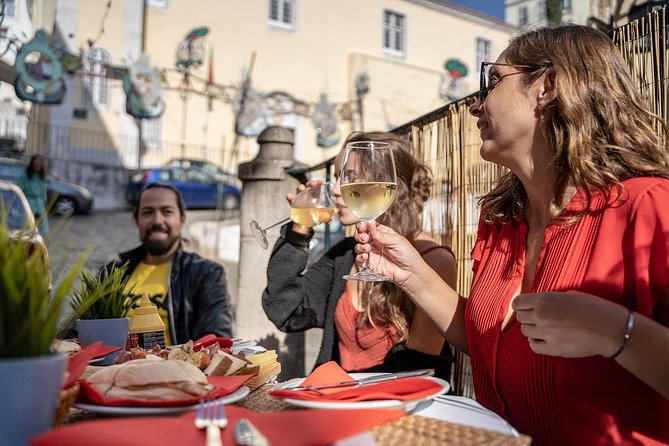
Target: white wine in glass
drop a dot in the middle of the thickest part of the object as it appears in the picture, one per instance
(368, 186)
(309, 208)
(368, 200)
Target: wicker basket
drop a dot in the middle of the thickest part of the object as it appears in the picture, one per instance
(264, 378)
(67, 397)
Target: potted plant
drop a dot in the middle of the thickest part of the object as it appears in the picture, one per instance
(101, 305)
(31, 376)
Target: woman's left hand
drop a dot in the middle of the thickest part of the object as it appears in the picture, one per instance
(571, 324)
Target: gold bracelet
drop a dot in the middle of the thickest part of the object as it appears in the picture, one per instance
(628, 332)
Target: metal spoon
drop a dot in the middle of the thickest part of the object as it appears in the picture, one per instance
(246, 434)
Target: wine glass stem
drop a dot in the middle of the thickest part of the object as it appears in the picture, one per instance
(366, 269)
(285, 220)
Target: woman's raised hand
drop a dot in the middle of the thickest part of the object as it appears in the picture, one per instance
(300, 188)
(389, 253)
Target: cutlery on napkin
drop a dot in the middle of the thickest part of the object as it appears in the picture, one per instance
(405, 389)
(366, 380)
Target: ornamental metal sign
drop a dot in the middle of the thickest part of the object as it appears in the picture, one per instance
(143, 90)
(192, 49)
(251, 117)
(39, 72)
(324, 119)
(452, 85)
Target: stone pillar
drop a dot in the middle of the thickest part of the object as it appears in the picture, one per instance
(265, 184)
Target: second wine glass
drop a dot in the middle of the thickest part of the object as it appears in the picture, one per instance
(309, 208)
(368, 186)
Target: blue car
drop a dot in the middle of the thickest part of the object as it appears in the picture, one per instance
(200, 189)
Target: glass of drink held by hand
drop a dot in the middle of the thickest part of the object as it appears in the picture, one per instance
(368, 187)
(309, 208)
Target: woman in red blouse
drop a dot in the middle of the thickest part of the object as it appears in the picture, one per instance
(567, 322)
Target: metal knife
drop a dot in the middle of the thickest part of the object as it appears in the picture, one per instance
(368, 380)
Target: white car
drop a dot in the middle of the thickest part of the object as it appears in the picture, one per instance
(15, 213)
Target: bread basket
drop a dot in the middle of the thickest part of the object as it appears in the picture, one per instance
(67, 397)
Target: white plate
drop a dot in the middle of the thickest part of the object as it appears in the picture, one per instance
(237, 395)
(374, 404)
(461, 410)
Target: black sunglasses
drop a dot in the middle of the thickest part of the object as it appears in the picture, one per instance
(486, 85)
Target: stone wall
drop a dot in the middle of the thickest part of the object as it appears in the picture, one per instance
(106, 182)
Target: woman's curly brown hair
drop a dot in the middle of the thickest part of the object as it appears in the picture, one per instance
(385, 304)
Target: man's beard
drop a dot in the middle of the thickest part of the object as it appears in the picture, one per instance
(158, 247)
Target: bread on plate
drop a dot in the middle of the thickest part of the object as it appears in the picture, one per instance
(151, 380)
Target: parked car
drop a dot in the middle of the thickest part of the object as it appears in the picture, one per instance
(200, 189)
(16, 214)
(69, 198)
(209, 167)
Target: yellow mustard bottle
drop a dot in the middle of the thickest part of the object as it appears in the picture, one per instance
(146, 327)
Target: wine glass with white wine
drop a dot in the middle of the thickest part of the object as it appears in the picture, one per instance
(368, 186)
(309, 208)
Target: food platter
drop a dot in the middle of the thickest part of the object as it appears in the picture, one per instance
(233, 397)
(373, 404)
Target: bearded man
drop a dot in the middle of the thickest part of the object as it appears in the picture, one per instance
(190, 292)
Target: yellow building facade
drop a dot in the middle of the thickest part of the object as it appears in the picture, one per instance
(379, 64)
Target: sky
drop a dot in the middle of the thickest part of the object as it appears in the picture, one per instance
(493, 8)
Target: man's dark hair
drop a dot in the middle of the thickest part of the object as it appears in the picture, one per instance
(155, 185)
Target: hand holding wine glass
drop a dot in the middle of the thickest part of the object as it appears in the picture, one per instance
(309, 208)
(368, 186)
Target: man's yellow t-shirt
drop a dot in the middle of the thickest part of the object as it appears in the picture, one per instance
(153, 280)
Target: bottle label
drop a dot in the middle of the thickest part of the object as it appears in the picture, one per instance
(147, 340)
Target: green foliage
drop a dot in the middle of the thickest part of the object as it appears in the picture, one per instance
(29, 312)
(103, 294)
(554, 11)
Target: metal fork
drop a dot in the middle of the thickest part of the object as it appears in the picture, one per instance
(211, 416)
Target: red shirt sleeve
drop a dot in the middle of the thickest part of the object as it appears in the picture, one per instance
(481, 237)
(649, 230)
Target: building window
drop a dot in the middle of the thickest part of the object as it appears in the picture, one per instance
(159, 4)
(393, 32)
(152, 133)
(542, 10)
(97, 83)
(566, 6)
(282, 13)
(522, 16)
(483, 52)
(10, 8)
